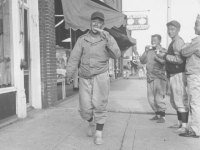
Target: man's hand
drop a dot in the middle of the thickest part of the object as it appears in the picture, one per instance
(69, 80)
(147, 48)
(185, 45)
(161, 54)
(104, 33)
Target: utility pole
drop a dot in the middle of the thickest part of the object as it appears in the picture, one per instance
(168, 18)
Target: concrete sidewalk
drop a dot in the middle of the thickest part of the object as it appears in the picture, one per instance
(128, 126)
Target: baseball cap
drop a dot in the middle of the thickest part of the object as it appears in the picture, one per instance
(174, 23)
(97, 15)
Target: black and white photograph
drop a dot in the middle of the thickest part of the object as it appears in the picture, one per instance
(99, 74)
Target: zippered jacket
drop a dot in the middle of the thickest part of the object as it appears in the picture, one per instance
(93, 55)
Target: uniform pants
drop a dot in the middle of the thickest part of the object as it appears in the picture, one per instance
(194, 101)
(93, 97)
(156, 92)
(178, 94)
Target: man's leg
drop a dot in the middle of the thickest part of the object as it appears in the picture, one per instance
(159, 92)
(150, 96)
(172, 101)
(194, 99)
(181, 100)
(101, 87)
(85, 103)
(128, 74)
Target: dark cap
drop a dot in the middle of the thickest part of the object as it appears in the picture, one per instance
(174, 23)
(97, 15)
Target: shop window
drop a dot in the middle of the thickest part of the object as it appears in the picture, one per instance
(5, 49)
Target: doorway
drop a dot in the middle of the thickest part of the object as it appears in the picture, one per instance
(26, 58)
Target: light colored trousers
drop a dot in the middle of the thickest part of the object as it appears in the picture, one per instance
(93, 97)
(141, 73)
(156, 93)
(178, 94)
(194, 101)
(127, 74)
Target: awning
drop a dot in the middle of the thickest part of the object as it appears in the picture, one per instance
(120, 36)
(77, 14)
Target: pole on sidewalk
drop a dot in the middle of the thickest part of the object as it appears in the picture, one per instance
(168, 19)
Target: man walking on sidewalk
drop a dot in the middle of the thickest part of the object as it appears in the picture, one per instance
(156, 79)
(175, 67)
(93, 50)
(192, 53)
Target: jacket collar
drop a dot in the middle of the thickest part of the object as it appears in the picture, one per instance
(90, 39)
(177, 37)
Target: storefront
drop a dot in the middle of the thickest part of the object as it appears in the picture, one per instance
(20, 80)
(63, 50)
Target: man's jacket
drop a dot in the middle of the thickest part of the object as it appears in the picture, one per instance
(93, 55)
(192, 54)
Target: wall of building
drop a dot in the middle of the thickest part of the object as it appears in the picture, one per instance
(184, 11)
(47, 52)
(117, 4)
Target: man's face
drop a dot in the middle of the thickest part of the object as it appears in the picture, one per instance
(197, 28)
(155, 41)
(96, 23)
(172, 31)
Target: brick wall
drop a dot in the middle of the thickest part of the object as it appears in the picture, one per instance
(47, 52)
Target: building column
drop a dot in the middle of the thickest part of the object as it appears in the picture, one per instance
(35, 73)
(47, 52)
(17, 49)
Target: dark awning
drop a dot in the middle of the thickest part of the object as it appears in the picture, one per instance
(122, 40)
(77, 15)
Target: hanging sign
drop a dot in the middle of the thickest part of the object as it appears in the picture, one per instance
(137, 22)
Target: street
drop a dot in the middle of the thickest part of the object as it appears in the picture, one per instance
(127, 128)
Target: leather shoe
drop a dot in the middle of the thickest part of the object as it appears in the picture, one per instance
(91, 130)
(181, 130)
(98, 140)
(154, 118)
(161, 120)
(175, 126)
(189, 134)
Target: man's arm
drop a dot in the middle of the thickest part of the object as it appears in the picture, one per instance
(74, 58)
(193, 47)
(160, 60)
(112, 47)
(143, 58)
(175, 59)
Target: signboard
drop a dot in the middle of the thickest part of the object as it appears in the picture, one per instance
(137, 22)
(136, 58)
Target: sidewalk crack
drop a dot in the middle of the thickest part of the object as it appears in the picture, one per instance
(134, 140)
(67, 136)
(125, 132)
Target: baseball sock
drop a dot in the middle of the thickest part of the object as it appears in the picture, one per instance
(184, 116)
(179, 118)
(99, 128)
